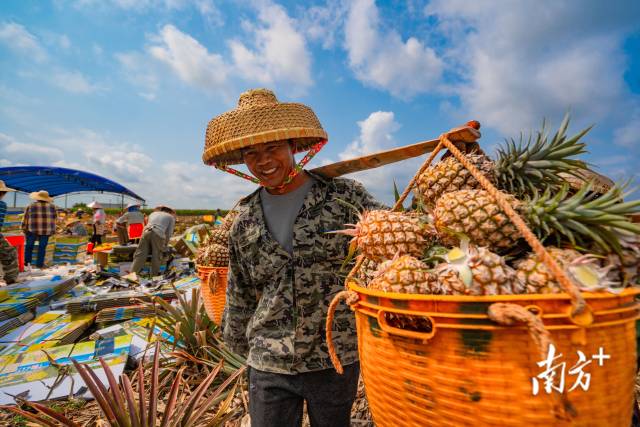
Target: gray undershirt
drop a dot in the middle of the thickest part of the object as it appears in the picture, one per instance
(281, 211)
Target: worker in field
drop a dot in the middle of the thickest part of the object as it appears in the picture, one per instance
(98, 220)
(132, 218)
(38, 224)
(154, 240)
(8, 254)
(284, 267)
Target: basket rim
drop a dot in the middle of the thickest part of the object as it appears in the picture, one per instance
(490, 298)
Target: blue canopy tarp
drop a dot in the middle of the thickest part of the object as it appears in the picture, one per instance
(60, 181)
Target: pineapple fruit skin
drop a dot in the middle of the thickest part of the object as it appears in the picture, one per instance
(490, 275)
(450, 175)
(405, 275)
(475, 214)
(381, 235)
(537, 277)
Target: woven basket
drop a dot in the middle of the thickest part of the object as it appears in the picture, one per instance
(213, 289)
(476, 363)
(470, 371)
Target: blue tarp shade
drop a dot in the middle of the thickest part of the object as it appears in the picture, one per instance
(60, 181)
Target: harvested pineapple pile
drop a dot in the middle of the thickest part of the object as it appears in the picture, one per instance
(214, 250)
(458, 241)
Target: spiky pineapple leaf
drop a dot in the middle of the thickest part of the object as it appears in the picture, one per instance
(532, 165)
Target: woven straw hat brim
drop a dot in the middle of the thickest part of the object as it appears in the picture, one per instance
(4, 188)
(599, 183)
(234, 130)
(42, 196)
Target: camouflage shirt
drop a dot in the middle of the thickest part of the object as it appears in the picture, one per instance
(277, 303)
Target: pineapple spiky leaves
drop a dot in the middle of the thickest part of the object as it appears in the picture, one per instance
(521, 168)
(581, 219)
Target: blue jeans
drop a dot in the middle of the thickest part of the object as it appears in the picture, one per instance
(42, 248)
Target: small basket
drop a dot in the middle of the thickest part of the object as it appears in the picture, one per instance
(213, 289)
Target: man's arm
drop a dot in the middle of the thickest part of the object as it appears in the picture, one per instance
(240, 306)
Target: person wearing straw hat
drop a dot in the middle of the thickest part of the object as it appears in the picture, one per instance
(98, 221)
(131, 216)
(8, 254)
(154, 240)
(39, 223)
(284, 268)
(74, 227)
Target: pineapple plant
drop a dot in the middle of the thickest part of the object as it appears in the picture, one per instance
(367, 272)
(581, 219)
(381, 234)
(520, 168)
(472, 270)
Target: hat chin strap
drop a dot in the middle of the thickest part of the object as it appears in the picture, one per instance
(294, 172)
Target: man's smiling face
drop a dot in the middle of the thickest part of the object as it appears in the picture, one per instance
(270, 162)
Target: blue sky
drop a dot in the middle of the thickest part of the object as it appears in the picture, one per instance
(125, 88)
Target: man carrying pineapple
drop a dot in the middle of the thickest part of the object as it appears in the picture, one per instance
(284, 266)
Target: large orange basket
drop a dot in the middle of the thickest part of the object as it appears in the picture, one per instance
(469, 370)
(475, 360)
(213, 288)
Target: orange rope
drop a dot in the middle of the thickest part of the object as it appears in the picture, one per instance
(577, 301)
(350, 298)
(412, 183)
(510, 314)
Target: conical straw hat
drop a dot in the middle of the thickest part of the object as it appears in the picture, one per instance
(259, 118)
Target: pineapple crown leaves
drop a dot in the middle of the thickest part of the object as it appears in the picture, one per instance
(584, 216)
(524, 166)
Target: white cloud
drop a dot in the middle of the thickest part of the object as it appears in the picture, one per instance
(129, 166)
(20, 153)
(137, 70)
(189, 60)
(377, 134)
(279, 53)
(209, 11)
(324, 23)
(518, 64)
(20, 40)
(629, 134)
(195, 185)
(73, 81)
(383, 60)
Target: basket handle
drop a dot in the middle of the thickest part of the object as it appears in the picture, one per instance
(392, 330)
(350, 298)
(507, 314)
(581, 312)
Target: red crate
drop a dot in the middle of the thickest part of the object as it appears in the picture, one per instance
(18, 243)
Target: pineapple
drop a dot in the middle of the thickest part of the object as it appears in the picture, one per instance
(367, 272)
(626, 264)
(520, 168)
(219, 236)
(380, 234)
(213, 255)
(471, 270)
(227, 222)
(404, 274)
(537, 277)
(581, 219)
